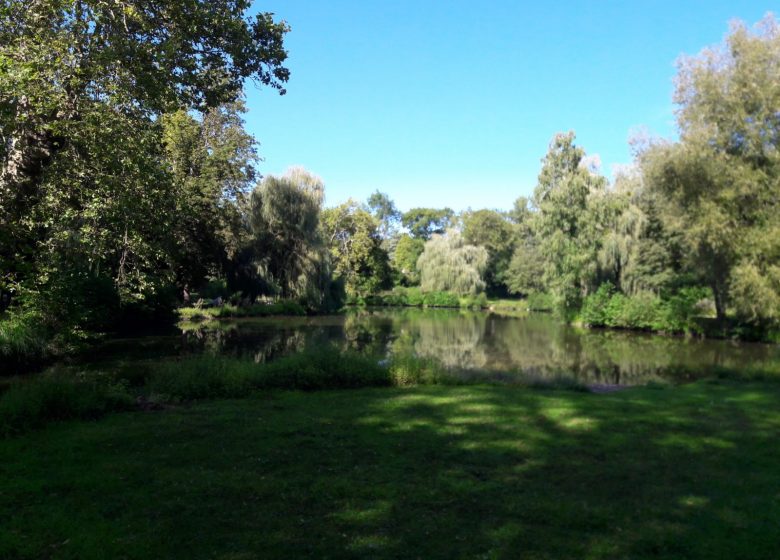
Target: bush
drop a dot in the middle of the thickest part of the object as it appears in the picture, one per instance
(594, 308)
(407, 370)
(323, 368)
(441, 299)
(24, 341)
(679, 311)
(478, 301)
(643, 311)
(213, 289)
(539, 301)
(414, 296)
(200, 377)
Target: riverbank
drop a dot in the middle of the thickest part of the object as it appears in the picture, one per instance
(31, 403)
(434, 472)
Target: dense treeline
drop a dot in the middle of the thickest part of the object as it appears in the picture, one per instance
(129, 187)
(125, 164)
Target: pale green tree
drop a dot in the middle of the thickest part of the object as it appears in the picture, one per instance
(448, 263)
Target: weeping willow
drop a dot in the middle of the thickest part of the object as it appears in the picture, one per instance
(447, 263)
(285, 213)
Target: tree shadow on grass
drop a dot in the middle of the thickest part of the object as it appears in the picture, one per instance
(559, 475)
(438, 472)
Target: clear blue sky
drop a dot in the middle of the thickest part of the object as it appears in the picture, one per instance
(453, 103)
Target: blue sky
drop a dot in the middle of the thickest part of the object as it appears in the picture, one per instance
(453, 103)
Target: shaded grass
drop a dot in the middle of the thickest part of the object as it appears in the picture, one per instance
(428, 472)
(28, 405)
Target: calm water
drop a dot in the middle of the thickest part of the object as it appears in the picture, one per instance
(468, 343)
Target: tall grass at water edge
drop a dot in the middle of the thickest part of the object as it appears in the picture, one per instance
(60, 394)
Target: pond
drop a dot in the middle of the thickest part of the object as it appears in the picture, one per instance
(468, 343)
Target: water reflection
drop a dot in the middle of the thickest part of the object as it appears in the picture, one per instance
(473, 343)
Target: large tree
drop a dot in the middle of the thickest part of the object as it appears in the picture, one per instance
(566, 223)
(722, 179)
(63, 58)
(352, 236)
(404, 259)
(422, 223)
(384, 211)
(450, 264)
(285, 217)
(493, 231)
(211, 161)
(83, 87)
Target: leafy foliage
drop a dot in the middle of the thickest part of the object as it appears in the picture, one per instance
(108, 178)
(422, 223)
(355, 244)
(407, 250)
(285, 213)
(449, 264)
(675, 313)
(722, 179)
(566, 221)
(493, 231)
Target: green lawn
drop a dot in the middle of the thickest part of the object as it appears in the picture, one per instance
(428, 472)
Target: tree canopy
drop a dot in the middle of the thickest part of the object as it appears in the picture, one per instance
(425, 222)
(448, 263)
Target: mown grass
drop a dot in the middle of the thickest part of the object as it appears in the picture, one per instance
(424, 472)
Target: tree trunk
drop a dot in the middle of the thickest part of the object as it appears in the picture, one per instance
(720, 301)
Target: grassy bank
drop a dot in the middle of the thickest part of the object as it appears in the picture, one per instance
(31, 403)
(227, 311)
(60, 394)
(414, 297)
(429, 472)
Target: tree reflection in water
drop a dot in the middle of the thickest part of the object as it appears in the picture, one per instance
(474, 343)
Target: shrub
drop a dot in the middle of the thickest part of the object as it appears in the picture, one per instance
(440, 299)
(640, 311)
(414, 296)
(374, 299)
(675, 313)
(539, 301)
(24, 341)
(679, 310)
(213, 289)
(594, 308)
(478, 301)
(201, 377)
(407, 370)
(281, 307)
